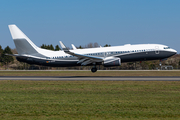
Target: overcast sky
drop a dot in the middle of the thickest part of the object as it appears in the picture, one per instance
(114, 22)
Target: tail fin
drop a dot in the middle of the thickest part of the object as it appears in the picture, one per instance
(23, 44)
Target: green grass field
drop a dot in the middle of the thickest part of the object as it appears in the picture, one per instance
(89, 100)
(88, 73)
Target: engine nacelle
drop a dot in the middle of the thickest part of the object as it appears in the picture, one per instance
(112, 61)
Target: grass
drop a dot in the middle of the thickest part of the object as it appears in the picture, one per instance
(88, 73)
(89, 100)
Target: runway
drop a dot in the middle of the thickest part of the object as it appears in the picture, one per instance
(85, 78)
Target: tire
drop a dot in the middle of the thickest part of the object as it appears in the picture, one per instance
(94, 69)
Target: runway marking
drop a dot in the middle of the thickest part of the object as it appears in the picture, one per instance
(78, 78)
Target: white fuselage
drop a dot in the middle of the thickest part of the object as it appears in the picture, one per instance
(108, 56)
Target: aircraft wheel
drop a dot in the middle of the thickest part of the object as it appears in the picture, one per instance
(94, 69)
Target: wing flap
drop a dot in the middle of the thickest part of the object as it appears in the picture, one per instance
(87, 62)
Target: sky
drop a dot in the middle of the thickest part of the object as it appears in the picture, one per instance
(80, 22)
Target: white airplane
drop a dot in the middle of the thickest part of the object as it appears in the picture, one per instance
(108, 56)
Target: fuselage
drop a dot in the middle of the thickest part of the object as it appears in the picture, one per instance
(108, 56)
(127, 53)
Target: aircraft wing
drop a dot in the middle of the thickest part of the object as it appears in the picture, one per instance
(83, 59)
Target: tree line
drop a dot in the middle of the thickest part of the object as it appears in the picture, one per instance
(6, 59)
(10, 61)
(57, 48)
(51, 47)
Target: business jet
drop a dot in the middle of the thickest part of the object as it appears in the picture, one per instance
(107, 56)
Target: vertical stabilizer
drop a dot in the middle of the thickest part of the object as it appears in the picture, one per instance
(23, 44)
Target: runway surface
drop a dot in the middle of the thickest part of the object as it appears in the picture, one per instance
(108, 78)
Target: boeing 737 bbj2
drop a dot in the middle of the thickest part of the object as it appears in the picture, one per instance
(108, 56)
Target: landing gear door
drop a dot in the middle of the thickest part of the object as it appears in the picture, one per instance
(156, 49)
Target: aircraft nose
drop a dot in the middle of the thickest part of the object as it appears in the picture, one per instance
(174, 51)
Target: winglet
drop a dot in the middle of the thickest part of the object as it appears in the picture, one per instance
(74, 48)
(63, 47)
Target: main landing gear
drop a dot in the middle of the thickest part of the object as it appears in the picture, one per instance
(94, 69)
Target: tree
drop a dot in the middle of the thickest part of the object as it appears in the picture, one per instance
(80, 47)
(51, 47)
(48, 47)
(107, 45)
(6, 59)
(90, 45)
(57, 48)
(96, 44)
(43, 46)
(1, 51)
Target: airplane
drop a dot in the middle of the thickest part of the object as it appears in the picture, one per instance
(107, 56)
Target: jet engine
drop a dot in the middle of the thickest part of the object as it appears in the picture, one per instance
(112, 61)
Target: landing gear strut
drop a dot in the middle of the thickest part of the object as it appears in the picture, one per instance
(160, 64)
(94, 69)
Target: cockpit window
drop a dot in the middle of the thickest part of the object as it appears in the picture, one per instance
(166, 47)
